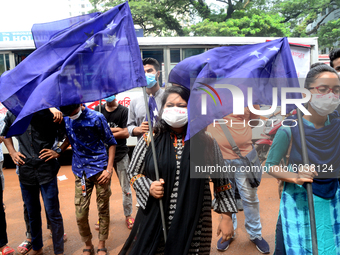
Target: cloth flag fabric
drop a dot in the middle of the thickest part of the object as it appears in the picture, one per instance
(86, 61)
(261, 66)
(153, 111)
(44, 32)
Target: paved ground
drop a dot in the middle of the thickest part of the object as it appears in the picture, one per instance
(269, 205)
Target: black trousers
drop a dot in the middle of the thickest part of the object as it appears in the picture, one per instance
(3, 226)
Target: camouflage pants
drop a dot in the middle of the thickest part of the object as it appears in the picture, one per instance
(82, 204)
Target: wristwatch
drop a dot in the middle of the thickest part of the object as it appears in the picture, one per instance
(58, 150)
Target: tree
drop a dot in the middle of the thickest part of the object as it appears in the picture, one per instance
(239, 18)
(159, 17)
(302, 13)
(233, 17)
(247, 25)
(329, 33)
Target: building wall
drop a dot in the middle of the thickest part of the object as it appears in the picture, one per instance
(78, 7)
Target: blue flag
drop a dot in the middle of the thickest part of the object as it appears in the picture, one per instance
(212, 75)
(153, 111)
(44, 32)
(86, 61)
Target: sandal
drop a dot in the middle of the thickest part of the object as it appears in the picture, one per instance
(102, 249)
(6, 250)
(130, 222)
(26, 245)
(96, 226)
(91, 251)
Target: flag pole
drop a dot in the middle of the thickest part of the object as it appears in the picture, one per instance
(309, 188)
(154, 160)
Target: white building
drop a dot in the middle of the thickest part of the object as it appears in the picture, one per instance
(78, 7)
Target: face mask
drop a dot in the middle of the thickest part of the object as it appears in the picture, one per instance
(151, 80)
(110, 99)
(175, 116)
(74, 117)
(324, 104)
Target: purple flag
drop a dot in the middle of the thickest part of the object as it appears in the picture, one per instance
(153, 110)
(260, 66)
(86, 61)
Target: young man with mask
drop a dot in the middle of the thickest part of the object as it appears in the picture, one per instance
(88, 132)
(116, 116)
(137, 123)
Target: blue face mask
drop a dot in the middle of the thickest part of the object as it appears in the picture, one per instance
(150, 79)
(110, 99)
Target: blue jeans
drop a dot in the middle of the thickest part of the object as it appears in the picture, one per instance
(49, 192)
(250, 201)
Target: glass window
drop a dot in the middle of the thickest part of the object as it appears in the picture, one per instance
(175, 56)
(83, 6)
(7, 62)
(187, 52)
(2, 64)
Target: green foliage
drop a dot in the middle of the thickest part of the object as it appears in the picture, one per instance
(231, 17)
(162, 18)
(255, 25)
(329, 33)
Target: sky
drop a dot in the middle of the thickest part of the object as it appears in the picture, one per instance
(20, 15)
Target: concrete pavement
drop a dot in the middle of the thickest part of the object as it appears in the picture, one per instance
(269, 206)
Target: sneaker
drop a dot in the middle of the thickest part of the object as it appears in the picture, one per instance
(223, 246)
(261, 244)
(239, 204)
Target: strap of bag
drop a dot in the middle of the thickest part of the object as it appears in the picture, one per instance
(289, 150)
(231, 140)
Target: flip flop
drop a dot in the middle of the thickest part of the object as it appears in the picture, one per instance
(130, 222)
(26, 245)
(102, 249)
(7, 251)
(91, 251)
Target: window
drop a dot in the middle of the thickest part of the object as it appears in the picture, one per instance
(70, 14)
(175, 56)
(82, 13)
(4, 63)
(83, 6)
(187, 52)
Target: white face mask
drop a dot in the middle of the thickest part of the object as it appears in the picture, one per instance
(175, 116)
(324, 104)
(74, 117)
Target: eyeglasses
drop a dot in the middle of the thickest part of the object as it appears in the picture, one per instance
(323, 89)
